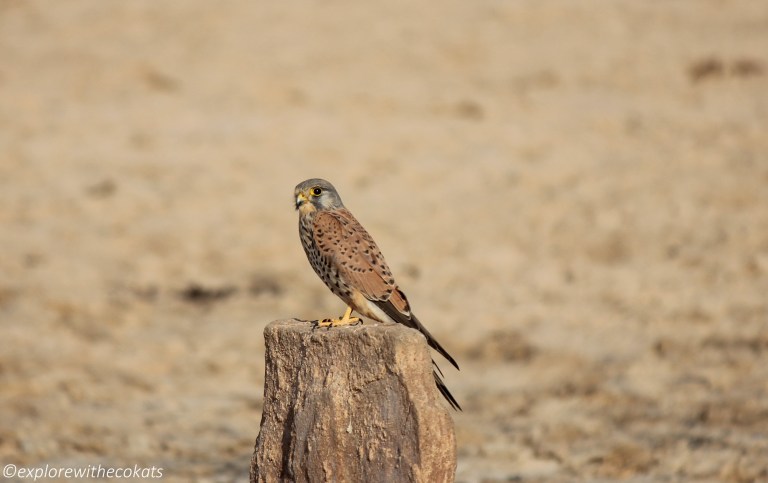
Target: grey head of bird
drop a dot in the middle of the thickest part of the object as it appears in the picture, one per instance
(316, 195)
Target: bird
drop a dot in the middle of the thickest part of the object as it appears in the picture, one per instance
(348, 261)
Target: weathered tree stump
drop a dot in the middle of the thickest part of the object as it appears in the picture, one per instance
(355, 404)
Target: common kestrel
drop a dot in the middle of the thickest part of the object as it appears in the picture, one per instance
(349, 262)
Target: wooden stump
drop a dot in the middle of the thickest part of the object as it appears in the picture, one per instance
(355, 404)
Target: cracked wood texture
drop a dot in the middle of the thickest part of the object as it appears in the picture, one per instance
(351, 404)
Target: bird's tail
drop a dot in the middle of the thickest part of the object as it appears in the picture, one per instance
(410, 320)
(444, 390)
(433, 343)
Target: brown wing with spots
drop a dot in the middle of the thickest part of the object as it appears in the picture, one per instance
(359, 261)
(341, 238)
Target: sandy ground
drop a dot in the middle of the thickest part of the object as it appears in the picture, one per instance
(574, 195)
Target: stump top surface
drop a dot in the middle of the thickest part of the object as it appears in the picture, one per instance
(378, 330)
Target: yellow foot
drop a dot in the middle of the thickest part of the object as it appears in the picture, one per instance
(344, 320)
(335, 322)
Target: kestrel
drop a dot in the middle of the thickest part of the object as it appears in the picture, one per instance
(349, 262)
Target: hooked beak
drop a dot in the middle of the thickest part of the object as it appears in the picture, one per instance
(300, 199)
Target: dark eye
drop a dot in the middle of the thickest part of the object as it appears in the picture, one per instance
(316, 191)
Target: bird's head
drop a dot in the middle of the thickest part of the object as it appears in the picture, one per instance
(316, 195)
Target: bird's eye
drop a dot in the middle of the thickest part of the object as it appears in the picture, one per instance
(316, 191)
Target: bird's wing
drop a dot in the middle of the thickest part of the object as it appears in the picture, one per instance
(343, 240)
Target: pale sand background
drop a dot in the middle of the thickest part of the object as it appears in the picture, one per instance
(573, 194)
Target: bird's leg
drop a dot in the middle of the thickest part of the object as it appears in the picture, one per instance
(344, 320)
(347, 320)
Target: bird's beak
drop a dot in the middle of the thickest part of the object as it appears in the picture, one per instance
(300, 199)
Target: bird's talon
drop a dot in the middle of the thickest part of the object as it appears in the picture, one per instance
(328, 323)
(320, 323)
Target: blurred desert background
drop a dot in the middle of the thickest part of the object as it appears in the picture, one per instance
(574, 196)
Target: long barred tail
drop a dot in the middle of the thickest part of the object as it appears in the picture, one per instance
(410, 320)
(445, 392)
(433, 343)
